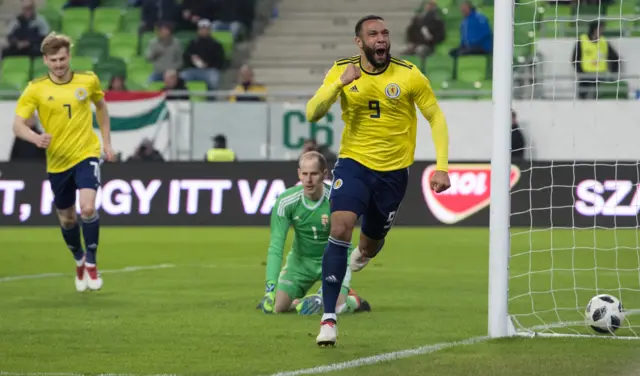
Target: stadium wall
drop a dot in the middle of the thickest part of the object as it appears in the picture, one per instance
(243, 193)
(554, 130)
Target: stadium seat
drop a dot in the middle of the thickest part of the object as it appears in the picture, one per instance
(438, 77)
(17, 79)
(81, 63)
(438, 62)
(106, 20)
(12, 64)
(4, 86)
(197, 86)
(55, 4)
(472, 68)
(226, 40)
(613, 90)
(53, 17)
(94, 45)
(123, 45)
(415, 60)
(112, 65)
(184, 37)
(75, 22)
(458, 89)
(38, 68)
(114, 3)
(144, 42)
(139, 70)
(130, 20)
(155, 86)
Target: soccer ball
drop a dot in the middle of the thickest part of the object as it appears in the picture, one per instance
(604, 313)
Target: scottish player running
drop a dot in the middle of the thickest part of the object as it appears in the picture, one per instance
(378, 95)
(63, 101)
(305, 208)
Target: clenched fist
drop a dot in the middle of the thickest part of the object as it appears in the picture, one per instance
(42, 140)
(440, 181)
(350, 74)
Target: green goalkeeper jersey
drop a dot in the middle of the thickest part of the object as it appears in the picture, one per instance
(311, 226)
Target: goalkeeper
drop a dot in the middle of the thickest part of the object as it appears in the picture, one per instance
(305, 207)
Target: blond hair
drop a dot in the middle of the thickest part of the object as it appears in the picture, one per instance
(310, 155)
(53, 43)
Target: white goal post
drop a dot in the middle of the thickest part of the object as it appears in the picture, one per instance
(541, 277)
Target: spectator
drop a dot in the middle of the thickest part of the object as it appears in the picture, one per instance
(517, 139)
(309, 145)
(247, 85)
(117, 84)
(204, 57)
(195, 10)
(164, 51)
(312, 145)
(26, 32)
(146, 153)
(154, 11)
(227, 16)
(219, 152)
(26, 151)
(172, 81)
(426, 31)
(476, 37)
(593, 54)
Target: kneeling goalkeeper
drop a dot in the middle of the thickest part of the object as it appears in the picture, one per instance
(306, 208)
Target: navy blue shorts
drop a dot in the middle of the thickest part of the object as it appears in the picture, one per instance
(373, 195)
(85, 174)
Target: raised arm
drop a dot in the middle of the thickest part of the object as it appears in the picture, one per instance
(425, 99)
(327, 94)
(279, 229)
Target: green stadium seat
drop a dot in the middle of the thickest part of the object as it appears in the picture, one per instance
(91, 44)
(53, 17)
(8, 87)
(75, 22)
(139, 70)
(457, 89)
(155, 86)
(612, 90)
(438, 62)
(413, 59)
(130, 20)
(197, 86)
(38, 68)
(82, 63)
(123, 45)
(144, 42)
(226, 40)
(438, 77)
(55, 4)
(106, 20)
(122, 4)
(12, 64)
(473, 68)
(17, 79)
(184, 37)
(112, 65)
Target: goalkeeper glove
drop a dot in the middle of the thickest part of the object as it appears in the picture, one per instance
(268, 301)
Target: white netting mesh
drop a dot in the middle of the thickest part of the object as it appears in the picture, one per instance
(581, 237)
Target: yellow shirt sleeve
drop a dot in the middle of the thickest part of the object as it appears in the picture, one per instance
(27, 103)
(327, 94)
(425, 99)
(96, 90)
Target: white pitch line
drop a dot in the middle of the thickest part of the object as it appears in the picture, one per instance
(127, 269)
(428, 349)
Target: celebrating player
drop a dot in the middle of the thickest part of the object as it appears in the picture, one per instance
(63, 100)
(306, 208)
(378, 95)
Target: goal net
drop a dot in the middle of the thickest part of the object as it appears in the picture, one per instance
(574, 217)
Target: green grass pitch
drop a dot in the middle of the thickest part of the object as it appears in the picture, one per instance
(197, 315)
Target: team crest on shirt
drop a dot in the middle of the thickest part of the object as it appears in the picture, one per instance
(325, 220)
(392, 91)
(337, 184)
(81, 93)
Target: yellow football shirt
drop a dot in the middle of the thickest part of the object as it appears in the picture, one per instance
(379, 114)
(65, 113)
